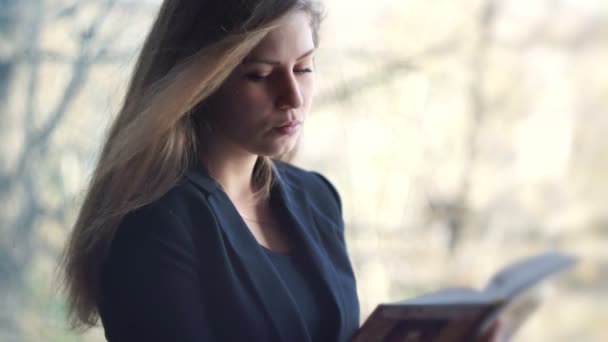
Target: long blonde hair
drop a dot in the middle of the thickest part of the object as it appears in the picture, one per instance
(192, 48)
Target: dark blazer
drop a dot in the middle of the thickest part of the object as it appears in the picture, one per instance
(187, 268)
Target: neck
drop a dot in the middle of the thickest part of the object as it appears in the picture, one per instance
(232, 167)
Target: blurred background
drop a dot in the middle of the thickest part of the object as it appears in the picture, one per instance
(461, 135)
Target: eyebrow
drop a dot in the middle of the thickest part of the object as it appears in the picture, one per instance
(271, 62)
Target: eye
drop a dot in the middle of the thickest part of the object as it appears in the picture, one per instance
(302, 71)
(256, 77)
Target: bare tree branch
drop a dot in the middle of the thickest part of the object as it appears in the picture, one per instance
(455, 212)
(37, 140)
(102, 58)
(389, 70)
(80, 69)
(34, 74)
(348, 88)
(71, 9)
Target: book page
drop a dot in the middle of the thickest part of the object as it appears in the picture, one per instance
(517, 311)
(524, 273)
(450, 296)
(512, 314)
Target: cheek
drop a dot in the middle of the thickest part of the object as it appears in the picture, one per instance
(254, 99)
(243, 104)
(243, 113)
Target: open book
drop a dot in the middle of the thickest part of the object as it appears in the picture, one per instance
(458, 314)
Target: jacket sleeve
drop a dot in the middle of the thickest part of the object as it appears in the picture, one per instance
(337, 251)
(152, 290)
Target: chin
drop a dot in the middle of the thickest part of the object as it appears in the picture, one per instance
(276, 151)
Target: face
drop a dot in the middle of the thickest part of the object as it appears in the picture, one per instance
(263, 104)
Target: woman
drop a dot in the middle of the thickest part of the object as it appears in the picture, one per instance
(189, 231)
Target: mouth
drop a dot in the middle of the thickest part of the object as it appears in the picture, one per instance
(288, 128)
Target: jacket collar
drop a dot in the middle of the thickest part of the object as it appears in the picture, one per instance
(302, 226)
(199, 175)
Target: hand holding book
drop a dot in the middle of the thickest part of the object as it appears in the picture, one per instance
(492, 334)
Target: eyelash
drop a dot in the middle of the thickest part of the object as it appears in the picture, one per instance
(258, 78)
(303, 71)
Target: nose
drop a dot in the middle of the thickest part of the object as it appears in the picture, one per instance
(289, 92)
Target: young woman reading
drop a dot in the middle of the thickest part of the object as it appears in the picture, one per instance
(192, 228)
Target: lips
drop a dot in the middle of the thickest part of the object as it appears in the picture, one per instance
(288, 128)
(288, 124)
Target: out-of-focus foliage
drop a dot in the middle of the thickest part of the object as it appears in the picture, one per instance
(461, 135)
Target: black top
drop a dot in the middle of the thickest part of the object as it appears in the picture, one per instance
(186, 268)
(297, 276)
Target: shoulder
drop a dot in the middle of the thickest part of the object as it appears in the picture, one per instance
(175, 229)
(316, 185)
(185, 201)
(172, 217)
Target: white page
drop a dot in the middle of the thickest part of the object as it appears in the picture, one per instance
(526, 272)
(449, 296)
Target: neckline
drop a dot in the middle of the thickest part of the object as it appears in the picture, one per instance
(287, 254)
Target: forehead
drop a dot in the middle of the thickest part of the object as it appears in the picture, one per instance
(289, 40)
